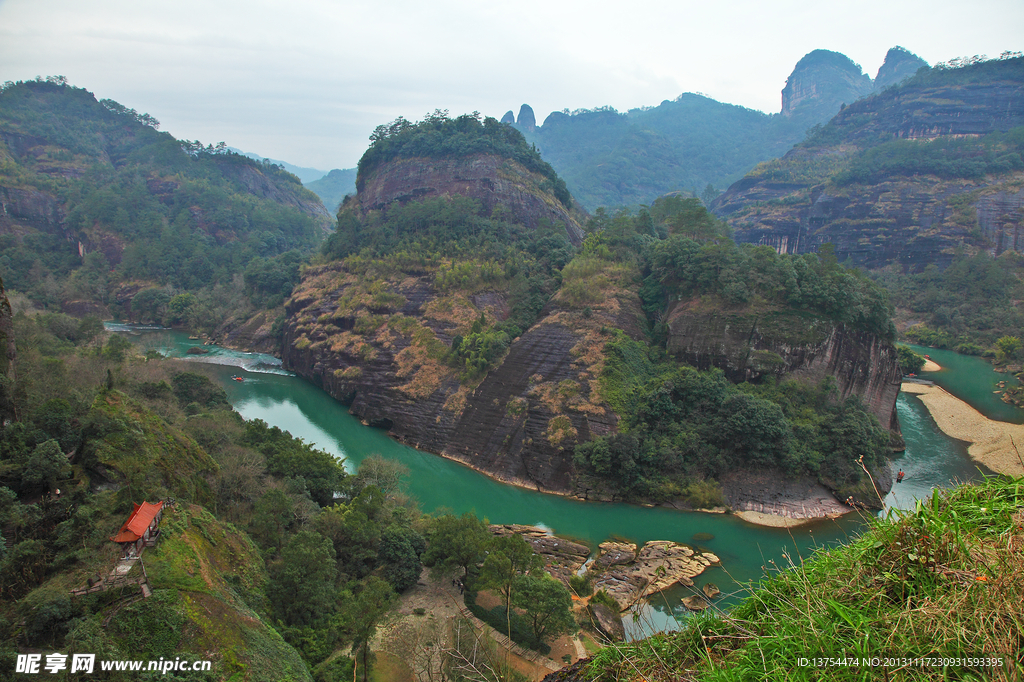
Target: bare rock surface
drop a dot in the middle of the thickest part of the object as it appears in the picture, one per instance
(562, 558)
(658, 565)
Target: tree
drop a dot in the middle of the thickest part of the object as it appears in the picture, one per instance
(1007, 347)
(548, 605)
(386, 474)
(302, 587)
(909, 361)
(400, 550)
(509, 556)
(455, 542)
(47, 464)
(271, 518)
(371, 603)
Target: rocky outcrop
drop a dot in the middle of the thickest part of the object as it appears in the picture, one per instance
(278, 190)
(25, 209)
(608, 622)
(490, 179)
(518, 424)
(527, 119)
(769, 491)
(749, 344)
(562, 558)
(821, 83)
(899, 65)
(628, 575)
(797, 203)
(8, 347)
(913, 221)
(260, 333)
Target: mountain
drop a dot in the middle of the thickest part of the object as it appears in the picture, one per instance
(306, 175)
(333, 187)
(100, 207)
(908, 175)
(456, 307)
(610, 158)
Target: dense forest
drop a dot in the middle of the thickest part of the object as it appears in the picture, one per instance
(133, 212)
(970, 306)
(294, 550)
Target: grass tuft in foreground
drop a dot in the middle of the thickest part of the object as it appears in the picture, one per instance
(945, 580)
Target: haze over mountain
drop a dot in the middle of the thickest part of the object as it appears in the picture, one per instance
(610, 158)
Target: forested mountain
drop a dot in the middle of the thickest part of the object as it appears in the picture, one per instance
(333, 187)
(104, 213)
(446, 309)
(612, 159)
(906, 176)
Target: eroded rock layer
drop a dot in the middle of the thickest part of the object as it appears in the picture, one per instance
(382, 355)
(490, 179)
(749, 344)
(628, 575)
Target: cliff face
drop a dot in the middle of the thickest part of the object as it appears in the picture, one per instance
(912, 205)
(490, 179)
(820, 83)
(899, 65)
(8, 347)
(518, 423)
(749, 344)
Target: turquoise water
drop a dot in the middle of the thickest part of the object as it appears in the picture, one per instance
(269, 393)
(973, 380)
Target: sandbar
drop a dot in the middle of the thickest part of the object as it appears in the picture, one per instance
(930, 366)
(991, 442)
(774, 520)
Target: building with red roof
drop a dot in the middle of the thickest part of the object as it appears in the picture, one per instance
(141, 529)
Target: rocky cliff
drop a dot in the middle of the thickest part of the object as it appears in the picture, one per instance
(899, 65)
(749, 344)
(822, 82)
(380, 354)
(8, 347)
(907, 175)
(492, 180)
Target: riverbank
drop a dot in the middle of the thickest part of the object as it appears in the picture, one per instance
(997, 445)
(930, 366)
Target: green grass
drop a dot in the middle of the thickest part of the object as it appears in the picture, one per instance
(945, 580)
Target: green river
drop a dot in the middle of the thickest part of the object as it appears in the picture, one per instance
(289, 402)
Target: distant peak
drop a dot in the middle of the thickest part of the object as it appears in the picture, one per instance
(900, 63)
(821, 82)
(828, 58)
(509, 117)
(526, 118)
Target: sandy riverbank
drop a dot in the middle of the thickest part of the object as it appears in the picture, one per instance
(992, 442)
(930, 366)
(774, 520)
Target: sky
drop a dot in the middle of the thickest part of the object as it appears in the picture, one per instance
(307, 81)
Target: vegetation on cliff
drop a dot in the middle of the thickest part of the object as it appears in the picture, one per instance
(966, 307)
(681, 428)
(104, 208)
(270, 545)
(941, 581)
(907, 175)
(439, 135)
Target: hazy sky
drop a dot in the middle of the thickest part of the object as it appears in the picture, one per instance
(306, 81)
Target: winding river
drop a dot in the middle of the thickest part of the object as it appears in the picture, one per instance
(287, 401)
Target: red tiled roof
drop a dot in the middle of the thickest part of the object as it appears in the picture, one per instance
(138, 522)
